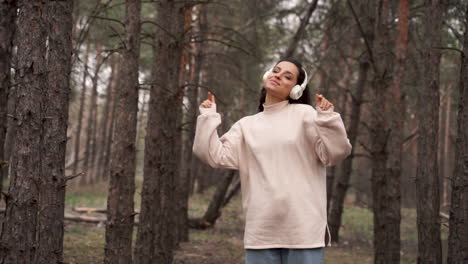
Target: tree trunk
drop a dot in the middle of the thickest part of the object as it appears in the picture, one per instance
(120, 203)
(300, 31)
(104, 124)
(91, 128)
(51, 202)
(427, 179)
(185, 177)
(155, 239)
(446, 161)
(458, 234)
(110, 134)
(386, 129)
(32, 230)
(234, 191)
(81, 112)
(11, 131)
(18, 238)
(186, 150)
(141, 119)
(7, 29)
(342, 181)
(214, 209)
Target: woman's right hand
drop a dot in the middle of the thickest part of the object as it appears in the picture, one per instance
(209, 102)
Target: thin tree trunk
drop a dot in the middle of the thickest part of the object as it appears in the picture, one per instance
(7, 29)
(141, 118)
(427, 178)
(214, 209)
(342, 182)
(234, 191)
(445, 157)
(120, 203)
(458, 234)
(95, 138)
(194, 95)
(81, 112)
(91, 129)
(191, 115)
(300, 31)
(11, 131)
(104, 124)
(182, 180)
(386, 129)
(155, 239)
(110, 130)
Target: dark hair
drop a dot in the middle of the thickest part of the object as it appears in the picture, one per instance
(304, 99)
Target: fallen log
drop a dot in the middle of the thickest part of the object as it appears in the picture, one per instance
(88, 210)
(86, 219)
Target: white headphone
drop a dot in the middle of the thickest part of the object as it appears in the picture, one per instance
(297, 90)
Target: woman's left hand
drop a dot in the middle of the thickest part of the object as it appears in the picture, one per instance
(322, 102)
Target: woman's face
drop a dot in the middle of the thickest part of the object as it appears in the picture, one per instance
(282, 79)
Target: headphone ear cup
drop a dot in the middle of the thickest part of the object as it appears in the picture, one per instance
(265, 75)
(296, 92)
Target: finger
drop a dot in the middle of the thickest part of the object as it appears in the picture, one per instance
(317, 99)
(211, 97)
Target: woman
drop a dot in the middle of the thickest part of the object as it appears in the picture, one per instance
(281, 154)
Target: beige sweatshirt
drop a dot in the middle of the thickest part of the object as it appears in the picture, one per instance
(281, 154)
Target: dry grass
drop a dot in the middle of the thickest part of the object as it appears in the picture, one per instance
(223, 244)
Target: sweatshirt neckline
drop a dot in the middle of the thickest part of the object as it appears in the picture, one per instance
(275, 107)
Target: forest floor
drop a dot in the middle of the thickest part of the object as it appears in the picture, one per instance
(223, 244)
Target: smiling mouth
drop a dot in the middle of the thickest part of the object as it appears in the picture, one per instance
(275, 82)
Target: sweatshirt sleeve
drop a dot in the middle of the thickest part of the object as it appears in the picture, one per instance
(328, 135)
(207, 146)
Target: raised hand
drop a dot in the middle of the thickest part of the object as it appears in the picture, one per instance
(322, 102)
(209, 102)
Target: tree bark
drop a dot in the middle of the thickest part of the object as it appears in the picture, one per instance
(51, 202)
(7, 29)
(32, 230)
(458, 233)
(386, 130)
(18, 238)
(120, 202)
(155, 241)
(192, 93)
(182, 180)
(427, 178)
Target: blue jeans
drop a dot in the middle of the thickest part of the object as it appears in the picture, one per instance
(284, 256)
